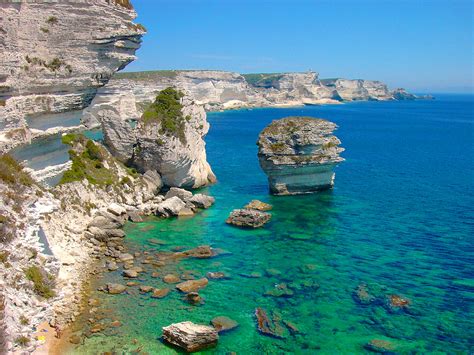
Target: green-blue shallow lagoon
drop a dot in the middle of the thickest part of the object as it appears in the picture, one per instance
(399, 222)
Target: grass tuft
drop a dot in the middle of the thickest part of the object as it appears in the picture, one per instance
(41, 280)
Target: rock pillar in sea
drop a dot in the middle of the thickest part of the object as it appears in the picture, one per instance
(299, 154)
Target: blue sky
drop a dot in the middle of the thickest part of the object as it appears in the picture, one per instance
(424, 46)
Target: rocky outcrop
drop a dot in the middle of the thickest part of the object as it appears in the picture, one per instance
(60, 231)
(172, 144)
(190, 337)
(357, 90)
(56, 56)
(299, 154)
(401, 94)
(248, 218)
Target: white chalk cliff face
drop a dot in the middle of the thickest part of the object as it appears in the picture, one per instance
(129, 93)
(56, 55)
(357, 90)
(299, 154)
(176, 150)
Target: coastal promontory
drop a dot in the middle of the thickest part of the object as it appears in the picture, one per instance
(299, 154)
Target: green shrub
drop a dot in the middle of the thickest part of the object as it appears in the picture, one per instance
(69, 138)
(24, 320)
(41, 281)
(125, 180)
(52, 20)
(11, 172)
(93, 151)
(22, 341)
(133, 172)
(166, 111)
(4, 256)
(45, 30)
(88, 164)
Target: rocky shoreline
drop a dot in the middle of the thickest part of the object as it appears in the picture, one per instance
(96, 215)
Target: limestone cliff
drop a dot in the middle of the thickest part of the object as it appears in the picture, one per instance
(298, 154)
(55, 55)
(130, 93)
(357, 90)
(168, 138)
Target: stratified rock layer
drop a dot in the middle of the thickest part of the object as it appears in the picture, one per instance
(298, 154)
(56, 55)
(129, 93)
(178, 156)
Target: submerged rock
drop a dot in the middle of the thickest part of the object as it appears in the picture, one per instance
(223, 324)
(194, 298)
(189, 336)
(160, 293)
(200, 252)
(279, 290)
(217, 275)
(115, 289)
(258, 205)
(361, 295)
(192, 285)
(171, 279)
(146, 289)
(267, 326)
(381, 346)
(131, 273)
(248, 218)
(298, 154)
(396, 303)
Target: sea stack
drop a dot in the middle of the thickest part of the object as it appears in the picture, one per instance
(299, 154)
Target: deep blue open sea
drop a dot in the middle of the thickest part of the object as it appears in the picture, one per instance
(399, 221)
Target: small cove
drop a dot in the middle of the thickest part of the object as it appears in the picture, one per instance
(399, 220)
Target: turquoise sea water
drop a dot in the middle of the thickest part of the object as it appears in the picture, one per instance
(400, 220)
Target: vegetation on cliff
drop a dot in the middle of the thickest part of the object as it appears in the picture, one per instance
(12, 172)
(43, 283)
(262, 80)
(166, 111)
(90, 161)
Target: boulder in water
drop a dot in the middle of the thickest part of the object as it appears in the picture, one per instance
(258, 205)
(115, 289)
(192, 285)
(190, 337)
(248, 218)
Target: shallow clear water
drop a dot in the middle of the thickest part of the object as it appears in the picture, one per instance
(400, 219)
